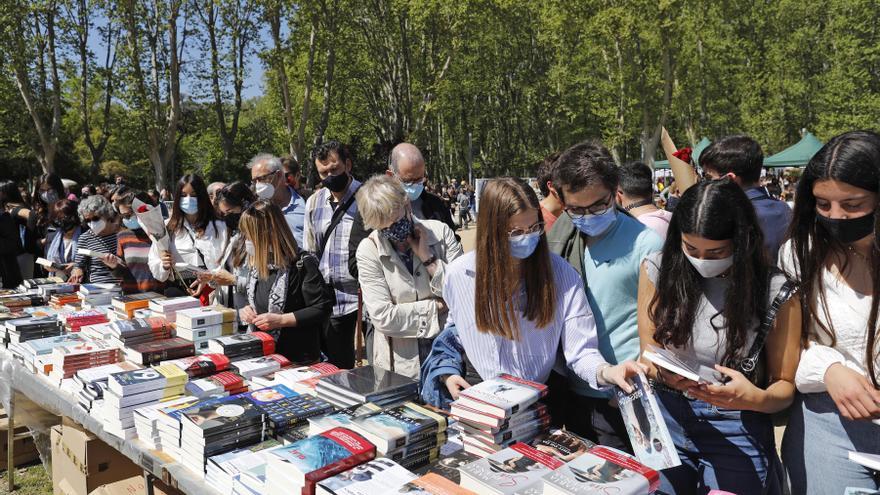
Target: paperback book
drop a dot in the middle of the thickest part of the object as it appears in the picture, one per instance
(646, 427)
(602, 470)
(509, 471)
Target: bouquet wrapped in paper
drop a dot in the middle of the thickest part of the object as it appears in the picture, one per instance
(151, 220)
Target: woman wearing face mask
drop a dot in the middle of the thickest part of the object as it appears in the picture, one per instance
(129, 263)
(197, 239)
(287, 295)
(401, 267)
(233, 271)
(47, 191)
(10, 237)
(516, 305)
(98, 214)
(707, 298)
(833, 252)
(62, 247)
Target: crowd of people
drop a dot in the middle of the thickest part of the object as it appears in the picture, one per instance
(566, 286)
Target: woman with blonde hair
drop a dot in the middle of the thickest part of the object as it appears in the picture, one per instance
(287, 295)
(401, 267)
(516, 305)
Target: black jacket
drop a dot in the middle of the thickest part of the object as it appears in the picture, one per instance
(433, 208)
(10, 248)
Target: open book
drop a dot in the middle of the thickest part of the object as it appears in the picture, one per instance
(683, 366)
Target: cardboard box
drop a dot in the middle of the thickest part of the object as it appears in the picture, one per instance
(81, 462)
(24, 448)
(135, 486)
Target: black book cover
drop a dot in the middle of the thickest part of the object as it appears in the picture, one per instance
(368, 383)
(215, 416)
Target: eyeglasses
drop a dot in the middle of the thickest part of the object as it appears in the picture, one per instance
(263, 178)
(594, 209)
(538, 227)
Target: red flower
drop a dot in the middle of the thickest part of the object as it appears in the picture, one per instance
(683, 154)
(142, 209)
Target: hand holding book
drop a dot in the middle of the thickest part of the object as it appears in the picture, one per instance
(619, 375)
(737, 393)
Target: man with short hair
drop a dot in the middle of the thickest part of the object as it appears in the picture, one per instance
(740, 157)
(329, 216)
(635, 194)
(551, 207)
(269, 182)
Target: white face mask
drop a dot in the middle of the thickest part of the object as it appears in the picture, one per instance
(710, 268)
(97, 226)
(264, 190)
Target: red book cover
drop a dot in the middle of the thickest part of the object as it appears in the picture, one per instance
(361, 452)
(268, 342)
(201, 366)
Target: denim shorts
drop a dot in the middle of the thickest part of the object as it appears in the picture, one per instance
(720, 449)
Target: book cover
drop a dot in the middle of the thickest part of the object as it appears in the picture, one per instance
(202, 365)
(159, 350)
(223, 381)
(371, 478)
(562, 444)
(368, 383)
(341, 418)
(600, 470)
(434, 484)
(849, 491)
(130, 302)
(235, 345)
(46, 345)
(193, 318)
(685, 366)
(395, 427)
(215, 416)
(448, 466)
(870, 461)
(261, 365)
(646, 427)
(146, 379)
(502, 396)
(515, 468)
(286, 409)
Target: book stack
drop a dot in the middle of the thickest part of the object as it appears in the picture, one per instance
(201, 366)
(32, 328)
(562, 444)
(37, 354)
(167, 307)
(298, 467)
(304, 379)
(224, 470)
(125, 306)
(366, 384)
(135, 389)
(285, 409)
(91, 383)
(386, 476)
(168, 423)
(146, 420)
(14, 302)
(94, 295)
(409, 434)
(66, 361)
(50, 290)
(515, 469)
(203, 324)
(217, 426)
(339, 419)
(148, 353)
(495, 413)
(260, 366)
(243, 346)
(447, 466)
(74, 321)
(225, 383)
(35, 283)
(130, 332)
(601, 470)
(59, 301)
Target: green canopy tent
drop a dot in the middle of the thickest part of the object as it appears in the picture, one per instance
(703, 144)
(796, 155)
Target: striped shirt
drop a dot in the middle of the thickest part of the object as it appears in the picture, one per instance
(134, 248)
(94, 270)
(334, 262)
(573, 330)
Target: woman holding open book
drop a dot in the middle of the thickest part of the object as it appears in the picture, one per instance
(516, 305)
(724, 320)
(833, 252)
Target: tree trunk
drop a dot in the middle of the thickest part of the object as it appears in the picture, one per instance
(273, 16)
(298, 150)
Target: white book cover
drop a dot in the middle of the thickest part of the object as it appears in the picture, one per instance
(601, 470)
(682, 365)
(503, 395)
(647, 429)
(372, 478)
(870, 461)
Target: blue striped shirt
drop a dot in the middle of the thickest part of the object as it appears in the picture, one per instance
(573, 330)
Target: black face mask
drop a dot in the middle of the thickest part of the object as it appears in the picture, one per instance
(64, 225)
(231, 220)
(336, 183)
(847, 230)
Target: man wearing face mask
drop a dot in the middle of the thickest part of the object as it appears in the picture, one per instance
(329, 215)
(269, 182)
(607, 246)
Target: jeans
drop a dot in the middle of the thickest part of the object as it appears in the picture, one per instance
(720, 449)
(816, 445)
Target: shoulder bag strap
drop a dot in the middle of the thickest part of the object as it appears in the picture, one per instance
(334, 221)
(747, 366)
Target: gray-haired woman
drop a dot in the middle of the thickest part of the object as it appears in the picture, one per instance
(401, 267)
(100, 242)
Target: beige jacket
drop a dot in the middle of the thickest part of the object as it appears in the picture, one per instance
(402, 306)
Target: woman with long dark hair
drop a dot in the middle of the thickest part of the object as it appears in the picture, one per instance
(834, 255)
(10, 237)
(707, 298)
(197, 238)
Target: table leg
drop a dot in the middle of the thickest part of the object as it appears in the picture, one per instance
(10, 442)
(148, 481)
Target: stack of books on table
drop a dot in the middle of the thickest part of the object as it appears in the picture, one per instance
(135, 389)
(201, 366)
(408, 434)
(168, 423)
(243, 346)
(224, 383)
(37, 354)
(223, 470)
(66, 361)
(259, 366)
(340, 419)
(217, 426)
(302, 379)
(386, 476)
(498, 412)
(285, 409)
(93, 295)
(91, 383)
(15, 302)
(153, 352)
(59, 301)
(130, 332)
(600, 470)
(146, 420)
(125, 306)
(50, 290)
(35, 283)
(203, 324)
(366, 384)
(167, 307)
(298, 467)
(24, 329)
(74, 321)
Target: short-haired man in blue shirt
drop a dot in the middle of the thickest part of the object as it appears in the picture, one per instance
(270, 182)
(607, 246)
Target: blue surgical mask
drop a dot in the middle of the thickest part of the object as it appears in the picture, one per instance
(594, 225)
(189, 205)
(131, 223)
(413, 191)
(522, 246)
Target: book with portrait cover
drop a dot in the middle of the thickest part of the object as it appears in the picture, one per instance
(340, 418)
(646, 427)
(371, 478)
(602, 470)
(500, 397)
(395, 427)
(244, 345)
(514, 469)
(448, 466)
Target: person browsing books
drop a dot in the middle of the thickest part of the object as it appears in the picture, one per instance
(833, 253)
(100, 240)
(130, 263)
(516, 305)
(704, 299)
(402, 264)
(287, 295)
